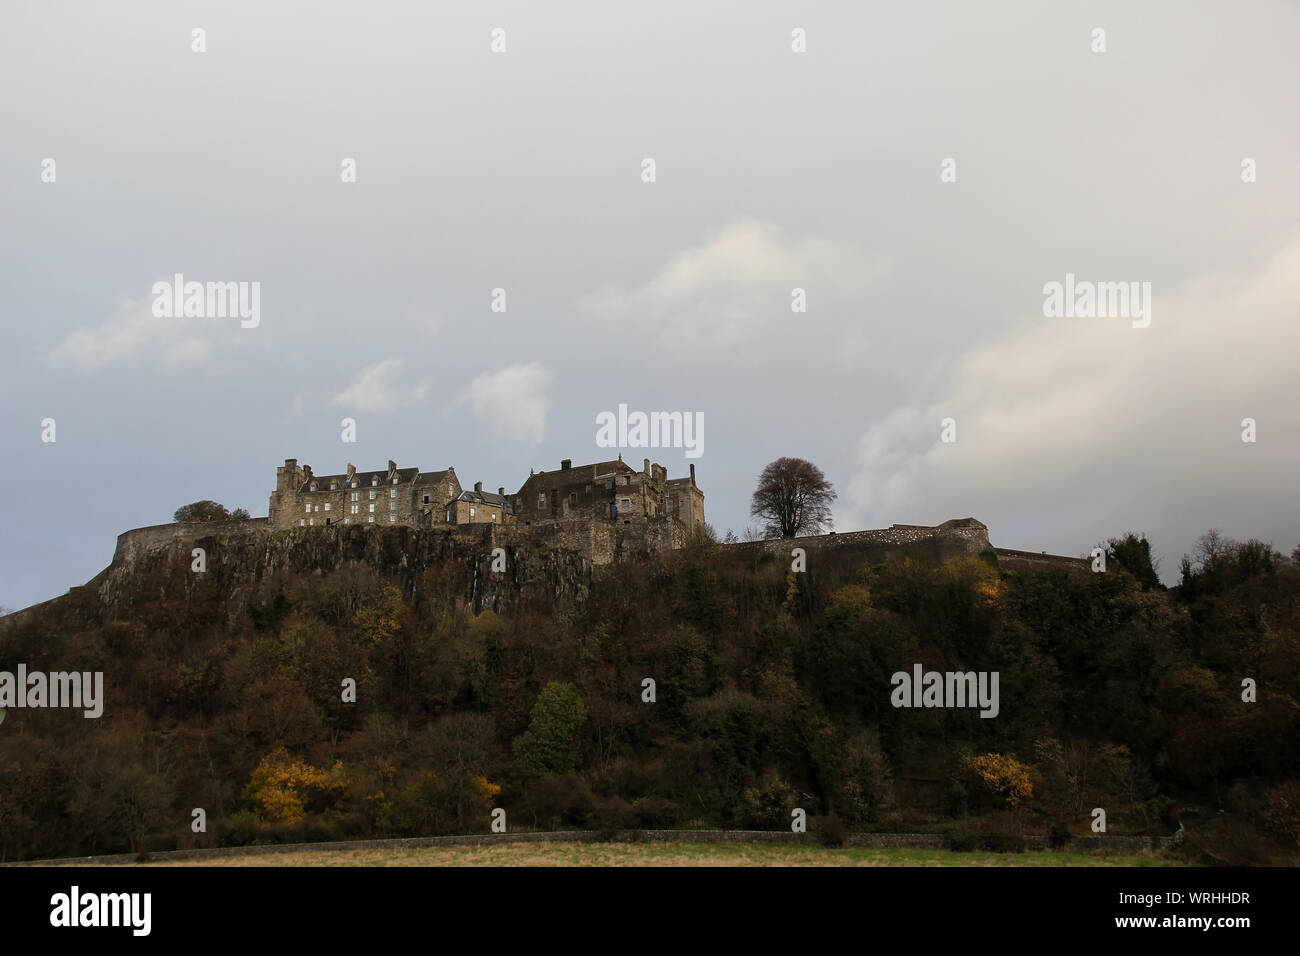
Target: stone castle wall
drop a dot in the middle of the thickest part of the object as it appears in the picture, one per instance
(134, 543)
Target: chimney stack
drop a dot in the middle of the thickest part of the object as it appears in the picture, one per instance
(478, 487)
(501, 492)
(566, 464)
(645, 467)
(692, 473)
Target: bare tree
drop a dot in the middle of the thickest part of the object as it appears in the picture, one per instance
(793, 498)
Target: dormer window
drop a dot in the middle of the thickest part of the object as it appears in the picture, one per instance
(313, 486)
(333, 485)
(374, 480)
(394, 481)
(354, 482)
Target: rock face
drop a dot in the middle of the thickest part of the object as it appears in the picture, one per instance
(238, 556)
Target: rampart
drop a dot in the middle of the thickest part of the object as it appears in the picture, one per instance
(134, 543)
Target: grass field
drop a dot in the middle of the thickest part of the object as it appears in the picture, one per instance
(666, 854)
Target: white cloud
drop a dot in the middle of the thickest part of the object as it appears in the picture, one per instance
(135, 332)
(1080, 429)
(733, 293)
(381, 388)
(512, 401)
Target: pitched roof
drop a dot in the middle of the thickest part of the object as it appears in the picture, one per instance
(362, 478)
(577, 473)
(483, 497)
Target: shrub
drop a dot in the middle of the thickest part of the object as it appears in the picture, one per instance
(832, 829)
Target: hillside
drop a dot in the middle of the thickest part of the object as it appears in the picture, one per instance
(523, 689)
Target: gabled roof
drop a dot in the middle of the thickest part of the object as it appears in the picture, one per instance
(578, 473)
(433, 477)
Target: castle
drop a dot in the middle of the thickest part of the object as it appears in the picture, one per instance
(664, 511)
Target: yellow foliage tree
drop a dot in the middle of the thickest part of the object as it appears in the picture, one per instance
(1004, 775)
(383, 620)
(282, 784)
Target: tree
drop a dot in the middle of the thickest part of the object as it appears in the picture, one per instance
(793, 498)
(202, 511)
(549, 745)
(1133, 553)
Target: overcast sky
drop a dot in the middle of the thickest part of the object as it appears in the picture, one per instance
(774, 170)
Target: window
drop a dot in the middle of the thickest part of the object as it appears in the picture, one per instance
(333, 485)
(313, 486)
(356, 508)
(374, 480)
(302, 522)
(372, 519)
(627, 504)
(541, 500)
(426, 499)
(392, 517)
(356, 495)
(327, 506)
(392, 506)
(392, 492)
(308, 511)
(494, 516)
(471, 512)
(609, 485)
(311, 521)
(573, 497)
(448, 516)
(372, 495)
(317, 508)
(394, 482)
(354, 482)
(347, 520)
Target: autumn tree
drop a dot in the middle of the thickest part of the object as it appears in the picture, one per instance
(793, 498)
(283, 788)
(1003, 775)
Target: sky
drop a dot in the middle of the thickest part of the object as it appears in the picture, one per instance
(921, 171)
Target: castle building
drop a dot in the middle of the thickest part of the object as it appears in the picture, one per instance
(404, 496)
(610, 492)
(479, 506)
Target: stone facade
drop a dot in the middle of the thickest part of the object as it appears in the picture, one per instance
(614, 493)
(401, 496)
(480, 507)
